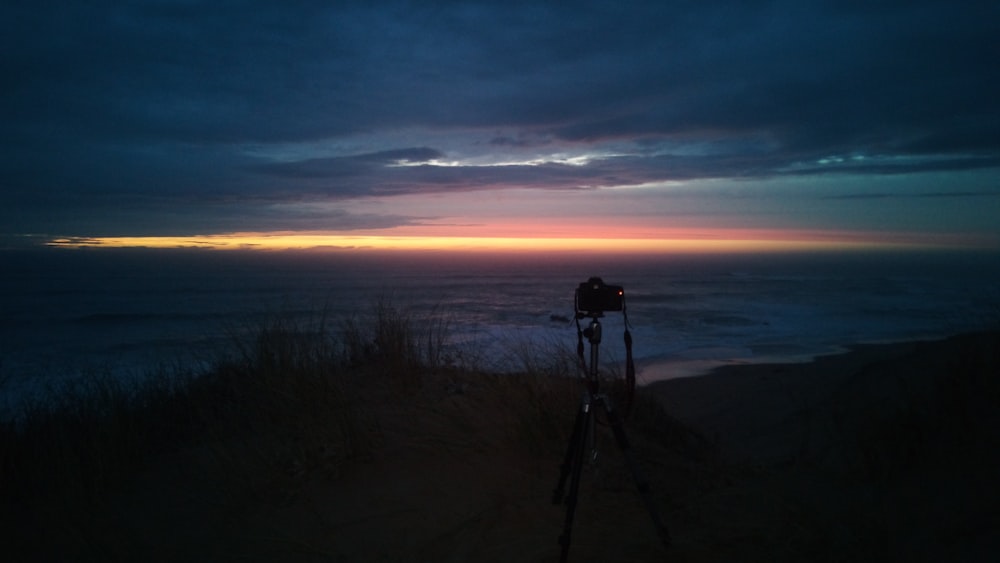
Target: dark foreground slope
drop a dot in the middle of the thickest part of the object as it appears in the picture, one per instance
(885, 453)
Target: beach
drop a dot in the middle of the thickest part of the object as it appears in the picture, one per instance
(885, 452)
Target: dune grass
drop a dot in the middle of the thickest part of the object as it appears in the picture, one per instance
(293, 400)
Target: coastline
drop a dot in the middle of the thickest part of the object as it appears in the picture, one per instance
(735, 402)
(893, 446)
(656, 370)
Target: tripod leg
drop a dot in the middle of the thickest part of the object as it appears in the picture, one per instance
(640, 481)
(575, 442)
(578, 447)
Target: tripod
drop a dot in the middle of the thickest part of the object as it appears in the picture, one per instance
(572, 465)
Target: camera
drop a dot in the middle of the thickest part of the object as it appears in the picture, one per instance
(594, 297)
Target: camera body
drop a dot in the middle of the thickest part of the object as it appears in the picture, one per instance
(594, 297)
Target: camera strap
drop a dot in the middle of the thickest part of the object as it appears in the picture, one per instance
(629, 362)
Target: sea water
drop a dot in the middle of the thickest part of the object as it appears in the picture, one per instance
(70, 312)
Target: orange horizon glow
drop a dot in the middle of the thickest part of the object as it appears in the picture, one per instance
(679, 241)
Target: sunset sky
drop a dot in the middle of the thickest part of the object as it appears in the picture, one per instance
(656, 125)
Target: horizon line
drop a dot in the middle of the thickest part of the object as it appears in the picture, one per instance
(704, 241)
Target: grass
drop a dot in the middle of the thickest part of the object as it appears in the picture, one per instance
(293, 401)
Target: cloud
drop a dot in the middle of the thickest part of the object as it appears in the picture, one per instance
(157, 105)
(268, 71)
(348, 166)
(417, 170)
(931, 195)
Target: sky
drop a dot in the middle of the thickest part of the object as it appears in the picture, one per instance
(652, 125)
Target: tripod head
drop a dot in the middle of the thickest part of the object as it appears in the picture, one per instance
(593, 332)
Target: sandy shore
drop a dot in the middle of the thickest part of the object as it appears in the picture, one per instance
(891, 449)
(885, 453)
(758, 411)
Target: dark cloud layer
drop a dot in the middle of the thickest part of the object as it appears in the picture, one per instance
(116, 109)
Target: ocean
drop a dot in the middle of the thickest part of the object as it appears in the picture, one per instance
(72, 312)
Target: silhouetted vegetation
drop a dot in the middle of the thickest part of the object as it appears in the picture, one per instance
(294, 400)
